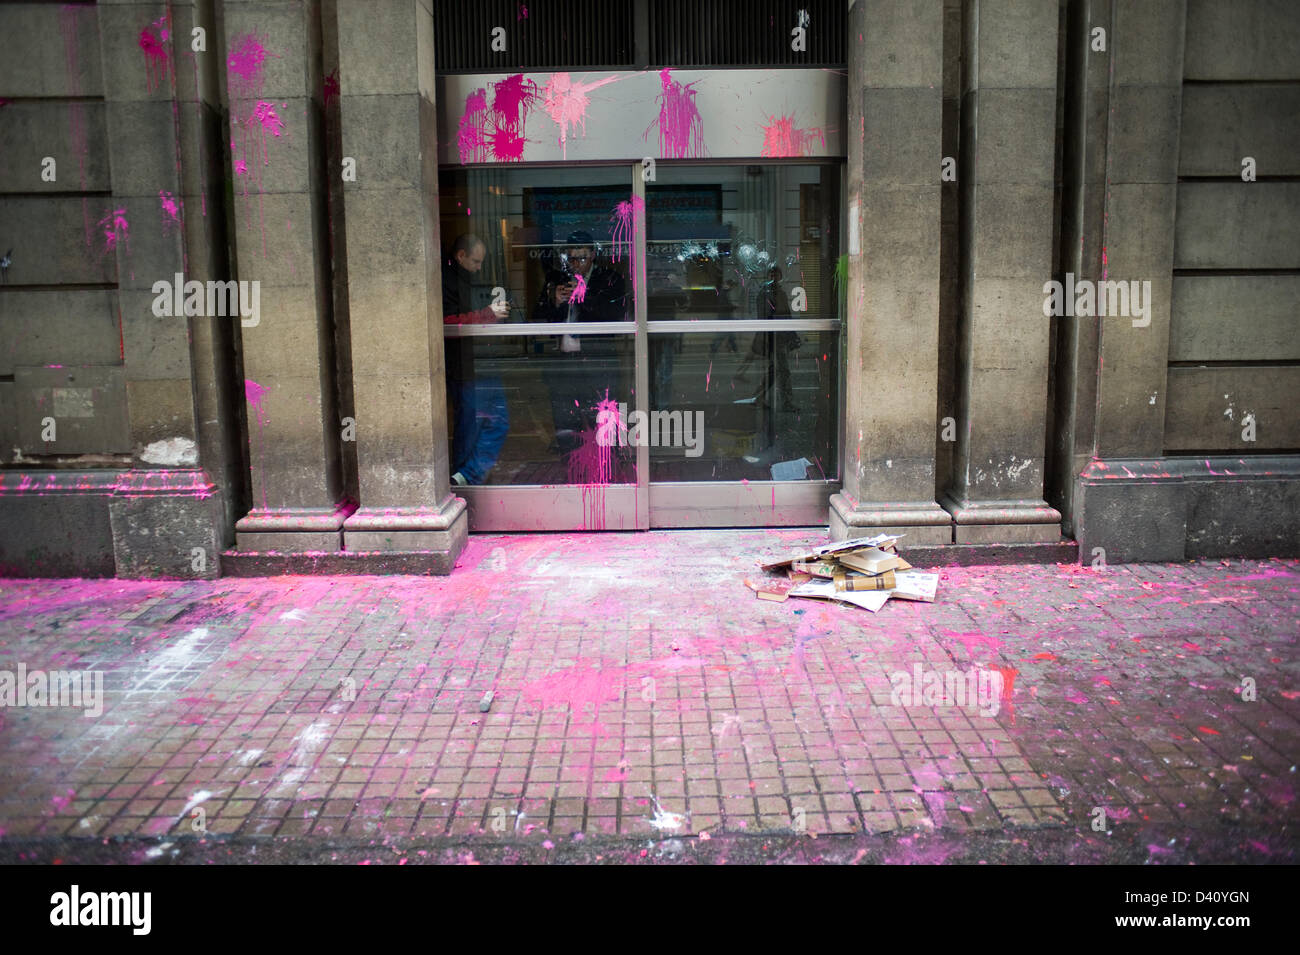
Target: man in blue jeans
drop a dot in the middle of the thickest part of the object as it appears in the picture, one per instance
(479, 403)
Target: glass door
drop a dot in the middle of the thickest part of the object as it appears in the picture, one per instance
(624, 354)
(541, 282)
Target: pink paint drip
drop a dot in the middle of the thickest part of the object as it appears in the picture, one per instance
(783, 139)
(251, 117)
(157, 56)
(116, 229)
(627, 219)
(579, 289)
(566, 102)
(681, 128)
(497, 133)
(170, 211)
(591, 466)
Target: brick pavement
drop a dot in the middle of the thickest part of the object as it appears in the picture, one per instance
(642, 694)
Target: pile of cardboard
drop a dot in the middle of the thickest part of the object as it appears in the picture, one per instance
(864, 572)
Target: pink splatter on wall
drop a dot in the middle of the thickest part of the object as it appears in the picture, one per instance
(157, 54)
(251, 115)
(116, 230)
(566, 102)
(171, 213)
(681, 129)
(497, 132)
(783, 139)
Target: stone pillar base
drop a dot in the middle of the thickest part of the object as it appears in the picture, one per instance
(922, 522)
(442, 530)
(166, 524)
(293, 530)
(1003, 522)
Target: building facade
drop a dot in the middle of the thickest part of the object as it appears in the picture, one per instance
(325, 285)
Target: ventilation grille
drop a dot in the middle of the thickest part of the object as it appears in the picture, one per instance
(539, 35)
(745, 33)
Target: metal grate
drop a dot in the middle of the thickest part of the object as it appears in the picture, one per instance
(539, 35)
(745, 33)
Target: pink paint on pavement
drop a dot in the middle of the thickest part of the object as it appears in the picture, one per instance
(783, 139)
(566, 102)
(157, 54)
(681, 128)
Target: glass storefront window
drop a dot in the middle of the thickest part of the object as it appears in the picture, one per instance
(736, 242)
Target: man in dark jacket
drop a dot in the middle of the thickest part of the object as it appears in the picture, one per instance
(582, 290)
(478, 403)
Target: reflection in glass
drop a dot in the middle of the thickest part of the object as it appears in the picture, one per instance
(735, 242)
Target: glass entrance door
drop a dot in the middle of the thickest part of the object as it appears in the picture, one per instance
(624, 354)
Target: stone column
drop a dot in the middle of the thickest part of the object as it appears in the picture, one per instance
(168, 515)
(895, 112)
(1007, 182)
(274, 91)
(394, 294)
(1129, 504)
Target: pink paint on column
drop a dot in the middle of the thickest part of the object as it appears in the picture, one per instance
(566, 102)
(264, 113)
(521, 12)
(783, 139)
(157, 55)
(681, 129)
(251, 116)
(171, 213)
(116, 229)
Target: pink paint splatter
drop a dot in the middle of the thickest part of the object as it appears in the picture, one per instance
(157, 55)
(521, 12)
(116, 229)
(681, 129)
(627, 219)
(783, 139)
(579, 289)
(251, 117)
(254, 393)
(496, 133)
(171, 213)
(591, 466)
(566, 102)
